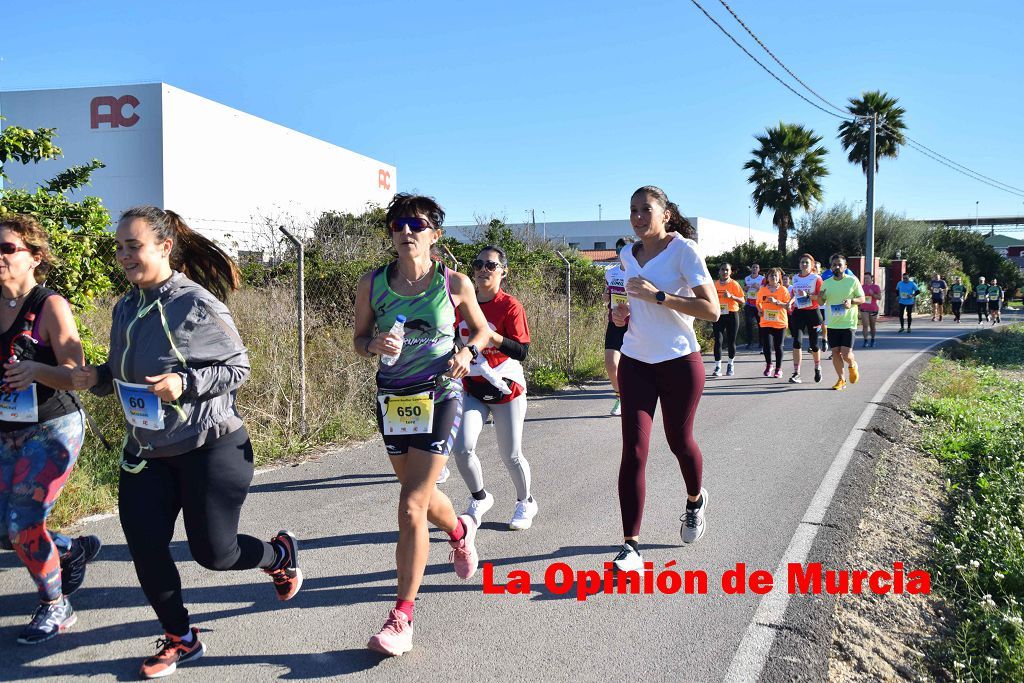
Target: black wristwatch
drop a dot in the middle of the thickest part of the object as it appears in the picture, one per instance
(660, 297)
(473, 350)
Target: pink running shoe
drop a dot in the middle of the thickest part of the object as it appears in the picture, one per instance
(767, 371)
(395, 639)
(778, 373)
(464, 553)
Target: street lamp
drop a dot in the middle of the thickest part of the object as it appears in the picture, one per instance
(976, 215)
(544, 219)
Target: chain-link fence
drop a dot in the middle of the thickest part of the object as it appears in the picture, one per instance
(310, 387)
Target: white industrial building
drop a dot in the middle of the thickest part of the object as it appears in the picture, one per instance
(713, 236)
(226, 172)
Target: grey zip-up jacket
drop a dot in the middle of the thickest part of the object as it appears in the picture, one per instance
(177, 327)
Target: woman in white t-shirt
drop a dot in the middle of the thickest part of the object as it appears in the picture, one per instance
(668, 284)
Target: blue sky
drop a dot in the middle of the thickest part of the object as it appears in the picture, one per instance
(561, 106)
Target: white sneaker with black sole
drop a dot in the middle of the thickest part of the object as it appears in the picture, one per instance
(693, 521)
(628, 560)
(477, 508)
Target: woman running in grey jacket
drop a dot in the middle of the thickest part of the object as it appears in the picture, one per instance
(176, 361)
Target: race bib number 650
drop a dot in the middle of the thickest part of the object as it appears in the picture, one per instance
(407, 414)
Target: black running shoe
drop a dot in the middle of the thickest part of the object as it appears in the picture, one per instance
(84, 550)
(817, 375)
(47, 621)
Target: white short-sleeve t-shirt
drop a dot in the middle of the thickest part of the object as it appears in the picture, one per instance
(656, 333)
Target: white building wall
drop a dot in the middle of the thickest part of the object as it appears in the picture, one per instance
(85, 121)
(220, 168)
(713, 236)
(225, 169)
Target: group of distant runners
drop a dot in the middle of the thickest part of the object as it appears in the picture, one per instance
(448, 349)
(827, 306)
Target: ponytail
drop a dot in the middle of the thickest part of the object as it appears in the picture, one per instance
(198, 257)
(677, 221)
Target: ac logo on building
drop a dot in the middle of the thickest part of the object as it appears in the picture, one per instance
(110, 110)
(384, 179)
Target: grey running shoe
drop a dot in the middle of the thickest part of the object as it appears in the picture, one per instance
(693, 520)
(48, 620)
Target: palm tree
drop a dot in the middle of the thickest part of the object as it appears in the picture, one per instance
(786, 173)
(854, 135)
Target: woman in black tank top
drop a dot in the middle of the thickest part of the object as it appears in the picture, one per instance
(41, 424)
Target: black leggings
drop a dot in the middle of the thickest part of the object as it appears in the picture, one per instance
(753, 320)
(726, 326)
(957, 307)
(774, 335)
(209, 484)
(677, 384)
(982, 310)
(909, 310)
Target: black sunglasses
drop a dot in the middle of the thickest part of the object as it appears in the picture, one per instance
(8, 248)
(492, 266)
(414, 224)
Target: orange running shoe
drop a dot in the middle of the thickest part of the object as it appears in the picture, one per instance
(840, 384)
(173, 651)
(854, 373)
(287, 577)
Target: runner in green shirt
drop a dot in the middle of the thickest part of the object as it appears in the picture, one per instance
(981, 296)
(840, 294)
(995, 300)
(957, 294)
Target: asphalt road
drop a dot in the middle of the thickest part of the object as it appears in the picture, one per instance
(767, 445)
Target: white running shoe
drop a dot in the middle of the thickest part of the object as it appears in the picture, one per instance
(443, 477)
(730, 370)
(717, 371)
(522, 519)
(628, 560)
(477, 508)
(693, 520)
(616, 408)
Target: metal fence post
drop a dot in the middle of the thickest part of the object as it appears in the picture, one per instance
(568, 313)
(301, 297)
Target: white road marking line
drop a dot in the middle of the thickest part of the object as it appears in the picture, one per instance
(752, 653)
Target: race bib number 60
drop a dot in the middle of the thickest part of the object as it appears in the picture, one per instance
(141, 406)
(407, 414)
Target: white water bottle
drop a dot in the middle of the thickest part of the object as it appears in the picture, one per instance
(398, 329)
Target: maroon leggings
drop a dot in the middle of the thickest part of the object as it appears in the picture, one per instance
(678, 384)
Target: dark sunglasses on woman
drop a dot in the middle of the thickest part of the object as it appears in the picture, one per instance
(8, 248)
(492, 266)
(414, 224)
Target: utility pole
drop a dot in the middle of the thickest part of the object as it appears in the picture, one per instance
(869, 209)
(544, 215)
(533, 222)
(599, 212)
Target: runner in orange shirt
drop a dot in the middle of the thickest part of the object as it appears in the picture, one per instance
(730, 298)
(773, 304)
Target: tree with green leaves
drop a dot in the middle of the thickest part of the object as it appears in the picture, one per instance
(78, 230)
(786, 172)
(855, 135)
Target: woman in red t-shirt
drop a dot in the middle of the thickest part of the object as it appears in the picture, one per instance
(510, 341)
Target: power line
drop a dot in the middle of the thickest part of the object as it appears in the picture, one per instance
(909, 141)
(779, 61)
(965, 168)
(761, 64)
